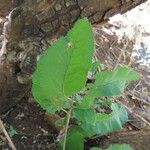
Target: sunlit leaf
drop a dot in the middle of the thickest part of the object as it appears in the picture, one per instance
(62, 69)
(82, 46)
(113, 83)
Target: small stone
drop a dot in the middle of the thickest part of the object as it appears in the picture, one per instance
(129, 128)
(70, 3)
(67, 4)
(57, 7)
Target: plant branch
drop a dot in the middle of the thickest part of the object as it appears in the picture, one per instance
(2, 127)
(66, 129)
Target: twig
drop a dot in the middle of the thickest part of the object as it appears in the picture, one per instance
(138, 99)
(2, 127)
(137, 115)
(142, 118)
(96, 59)
(64, 111)
(66, 129)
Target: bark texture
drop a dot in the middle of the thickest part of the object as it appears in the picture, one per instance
(31, 26)
(138, 140)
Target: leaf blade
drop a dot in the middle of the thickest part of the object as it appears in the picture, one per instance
(81, 58)
(60, 71)
(75, 139)
(102, 123)
(112, 83)
(47, 80)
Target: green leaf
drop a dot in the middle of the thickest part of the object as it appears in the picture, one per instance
(102, 123)
(96, 148)
(97, 64)
(108, 83)
(82, 46)
(119, 147)
(75, 139)
(62, 69)
(86, 102)
(12, 131)
(49, 76)
(61, 122)
(85, 115)
(113, 83)
(115, 147)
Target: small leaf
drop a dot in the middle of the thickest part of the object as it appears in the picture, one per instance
(75, 139)
(115, 147)
(81, 56)
(85, 115)
(61, 121)
(12, 131)
(112, 83)
(49, 76)
(86, 102)
(97, 64)
(96, 148)
(102, 123)
(119, 147)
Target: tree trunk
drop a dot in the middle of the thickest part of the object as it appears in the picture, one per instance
(31, 26)
(138, 140)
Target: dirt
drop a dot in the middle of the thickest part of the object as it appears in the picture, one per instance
(33, 132)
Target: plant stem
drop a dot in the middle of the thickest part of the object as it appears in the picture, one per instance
(66, 129)
(7, 136)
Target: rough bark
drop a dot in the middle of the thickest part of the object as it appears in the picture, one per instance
(5, 7)
(31, 26)
(138, 140)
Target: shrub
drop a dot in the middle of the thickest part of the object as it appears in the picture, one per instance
(59, 84)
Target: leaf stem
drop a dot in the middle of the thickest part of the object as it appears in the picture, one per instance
(66, 129)
(64, 111)
(7, 136)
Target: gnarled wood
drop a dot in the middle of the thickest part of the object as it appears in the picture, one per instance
(30, 28)
(138, 140)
